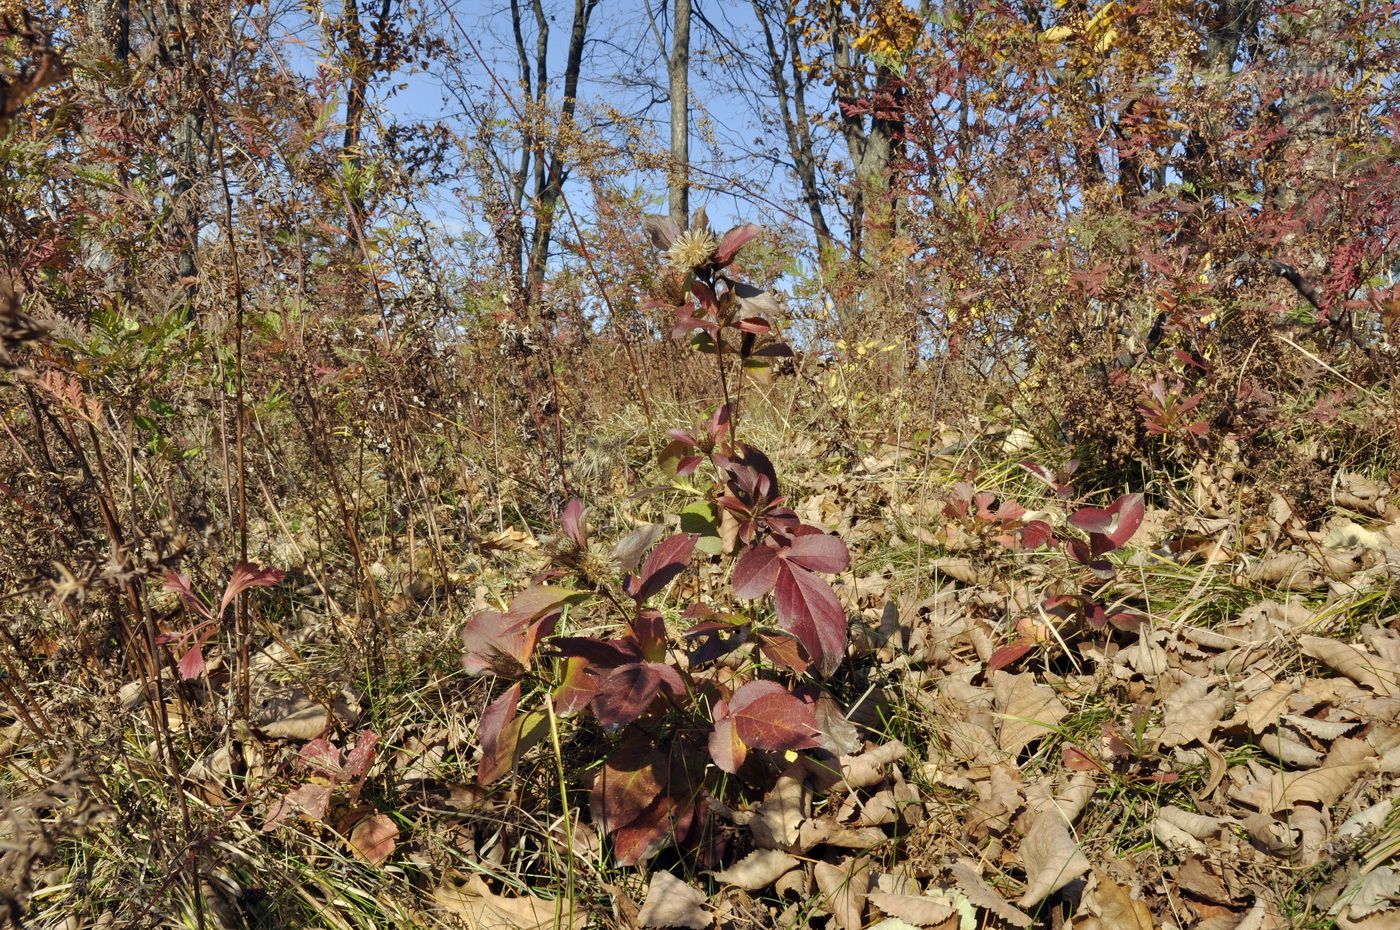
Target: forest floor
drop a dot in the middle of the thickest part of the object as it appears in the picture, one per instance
(1205, 732)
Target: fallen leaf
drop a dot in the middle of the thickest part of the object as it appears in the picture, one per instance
(294, 716)
(483, 909)
(1117, 909)
(310, 801)
(1348, 761)
(982, 895)
(1192, 712)
(1028, 710)
(1378, 889)
(1265, 709)
(1051, 857)
(508, 540)
(374, 838)
(919, 910)
(777, 819)
(757, 870)
(1368, 670)
(844, 888)
(673, 903)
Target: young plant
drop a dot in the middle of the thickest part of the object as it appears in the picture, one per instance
(246, 576)
(690, 715)
(1084, 576)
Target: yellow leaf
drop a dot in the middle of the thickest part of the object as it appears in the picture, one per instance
(1056, 34)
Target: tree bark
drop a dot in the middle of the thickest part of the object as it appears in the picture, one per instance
(548, 199)
(792, 105)
(678, 71)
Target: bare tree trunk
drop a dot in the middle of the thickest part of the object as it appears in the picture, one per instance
(678, 70)
(548, 199)
(792, 104)
(364, 61)
(170, 23)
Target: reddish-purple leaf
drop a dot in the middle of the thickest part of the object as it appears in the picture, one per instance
(1092, 520)
(1035, 534)
(535, 601)
(359, 759)
(768, 716)
(604, 653)
(180, 584)
(733, 241)
(489, 643)
(499, 736)
(577, 687)
(663, 230)
(726, 748)
(808, 608)
(627, 693)
(784, 650)
(755, 572)
(1004, 656)
(665, 562)
(191, 664)
(818, 551)
(650, 632)
(641, 800)
(502, 646)
(1128, 512)
(1116, 524)
(374, 838)
(571, 522)
(247, 575)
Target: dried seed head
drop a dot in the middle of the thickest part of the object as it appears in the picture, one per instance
(694, 249)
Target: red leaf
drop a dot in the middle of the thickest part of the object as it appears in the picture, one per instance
(818, 551)
(666, 561)
(322, 758)
(755, 572)
(180, 584)
(1092, 520)
(628, 691)
(768, 716)
(650, 632)
(1008, 654)
(1077, 760)
(374, 838)
(808, 608)
(571, 522)
(733, 241)
(495, 643)
(247, 575)
(641, 800)
(577, 687)
(784, 650)
(1117, 523)
(499, 736)
(191, 664)
(1128, 512)
(359, 759)
(606, 653)
(726, 748)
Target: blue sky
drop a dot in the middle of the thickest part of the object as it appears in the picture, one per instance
(623, 67)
